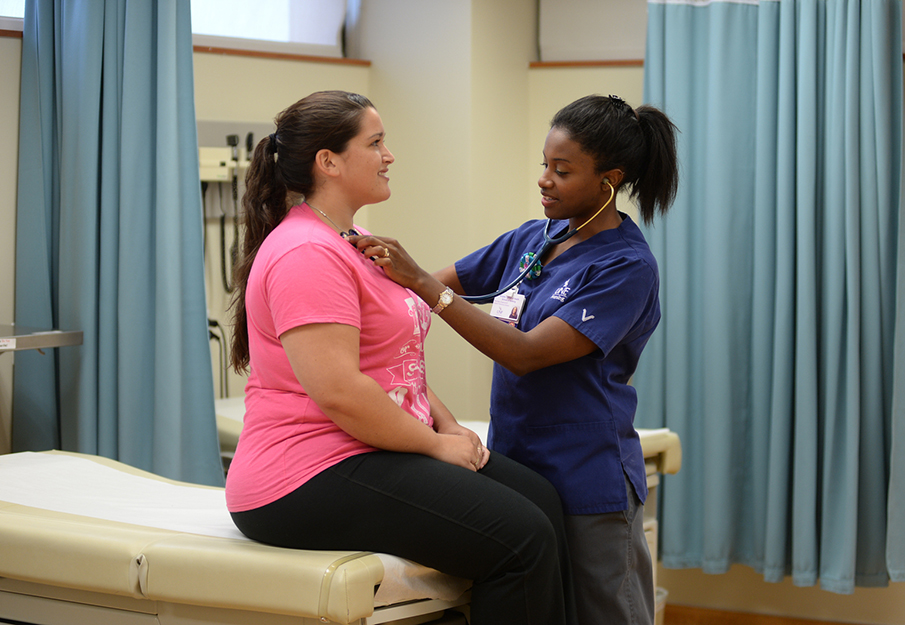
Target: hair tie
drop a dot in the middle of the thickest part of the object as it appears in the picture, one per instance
(619, 103)
(273, 143)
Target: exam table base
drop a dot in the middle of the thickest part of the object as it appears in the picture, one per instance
(40, 604)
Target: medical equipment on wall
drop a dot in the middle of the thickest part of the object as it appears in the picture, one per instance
(529, 265)
(233, 142)
(224, 166)
(219, 167)
(216, 333)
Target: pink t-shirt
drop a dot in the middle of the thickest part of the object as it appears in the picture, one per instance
(306, 273)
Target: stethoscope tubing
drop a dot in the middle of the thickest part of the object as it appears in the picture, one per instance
(547, 244)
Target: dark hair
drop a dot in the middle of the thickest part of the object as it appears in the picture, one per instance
(282, 168)
(641, 142)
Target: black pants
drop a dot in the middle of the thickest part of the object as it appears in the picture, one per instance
(501, 527)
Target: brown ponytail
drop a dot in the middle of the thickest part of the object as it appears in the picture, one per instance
(281, 169)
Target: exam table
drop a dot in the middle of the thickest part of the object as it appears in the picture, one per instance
(85, 539)
(661, 447)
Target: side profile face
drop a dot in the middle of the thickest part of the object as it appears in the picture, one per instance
(366, 161)
(570, 186)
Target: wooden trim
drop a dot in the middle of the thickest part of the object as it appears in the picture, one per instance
(687, 615)
(282, 55)
(613, 63)
(11, 33)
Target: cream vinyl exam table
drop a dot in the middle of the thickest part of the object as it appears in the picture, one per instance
(88, 540)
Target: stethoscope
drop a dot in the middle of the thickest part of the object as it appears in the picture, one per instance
(530, 263)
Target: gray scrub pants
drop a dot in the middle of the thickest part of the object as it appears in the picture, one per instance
(611, 566)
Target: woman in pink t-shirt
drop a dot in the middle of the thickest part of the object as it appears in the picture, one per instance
(340, 423)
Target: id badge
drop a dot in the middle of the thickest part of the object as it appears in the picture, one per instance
(508, 307)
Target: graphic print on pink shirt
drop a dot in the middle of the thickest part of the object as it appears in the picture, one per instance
(409, 373)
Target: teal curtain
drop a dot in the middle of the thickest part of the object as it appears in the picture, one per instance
(782, 342)
(109, 238)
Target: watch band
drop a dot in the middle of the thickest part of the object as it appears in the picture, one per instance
(446, 298)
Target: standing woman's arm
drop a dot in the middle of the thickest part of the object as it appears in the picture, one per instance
(551, 342)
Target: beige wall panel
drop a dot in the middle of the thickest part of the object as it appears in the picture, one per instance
(10, 61)
(237, 88)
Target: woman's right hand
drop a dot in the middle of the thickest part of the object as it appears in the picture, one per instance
(461, 451)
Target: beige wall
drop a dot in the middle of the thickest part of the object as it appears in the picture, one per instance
(466, 120)
(10, 60)
(237, 88)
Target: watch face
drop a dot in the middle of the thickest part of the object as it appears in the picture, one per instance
(445, 299)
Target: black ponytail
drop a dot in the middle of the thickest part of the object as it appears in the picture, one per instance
(641, 142)
(657, 180)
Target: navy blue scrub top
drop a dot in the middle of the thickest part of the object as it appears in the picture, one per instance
(573, 422)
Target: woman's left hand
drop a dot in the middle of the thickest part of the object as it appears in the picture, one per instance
(389, 254)
(460, 430)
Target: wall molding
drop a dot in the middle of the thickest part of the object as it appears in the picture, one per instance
(612, 63)
(281, 55)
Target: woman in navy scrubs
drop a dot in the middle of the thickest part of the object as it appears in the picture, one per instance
(561, 401)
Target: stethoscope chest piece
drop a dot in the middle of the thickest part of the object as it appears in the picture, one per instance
(528, 260)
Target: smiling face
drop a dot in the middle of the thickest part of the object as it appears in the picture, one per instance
(365, 162)
(570, 186)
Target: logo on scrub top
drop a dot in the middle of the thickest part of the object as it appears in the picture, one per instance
(562, 292)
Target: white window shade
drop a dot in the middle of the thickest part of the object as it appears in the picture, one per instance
(592, 30)
(12, 8)
(312, 27)
(11, 14)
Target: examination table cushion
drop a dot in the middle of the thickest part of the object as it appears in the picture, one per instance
(86, 522)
